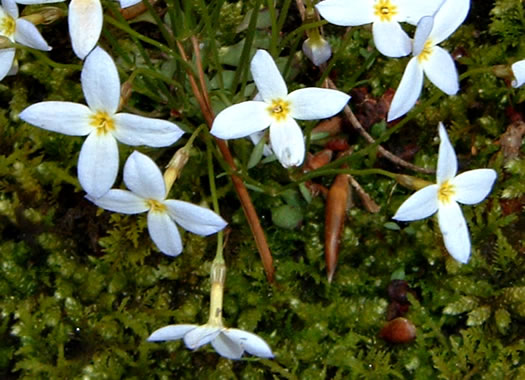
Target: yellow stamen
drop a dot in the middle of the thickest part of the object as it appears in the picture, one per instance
(103, 122)
(279, 109)
(156, 206)
(385, 10)
(426, 52)
(446, 192)
(7, 26)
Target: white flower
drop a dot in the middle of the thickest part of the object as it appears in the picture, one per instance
(99, 160)
(85, 19)
(317, 49)
(518, 69)
(278, 109)
(230, 343)
(430, 59)
(385, 15)
(148, 193)
(16, 30)
(469, 188)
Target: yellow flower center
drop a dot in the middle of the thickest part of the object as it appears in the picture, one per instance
(7, 26)
(279, 109)
(426, 52)
(156, 206)
(385, 10)
(102, 122)
(446, 192)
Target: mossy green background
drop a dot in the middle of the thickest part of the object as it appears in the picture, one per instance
(81, 288)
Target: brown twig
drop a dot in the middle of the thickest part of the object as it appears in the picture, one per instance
(382, 151)
(249, 210)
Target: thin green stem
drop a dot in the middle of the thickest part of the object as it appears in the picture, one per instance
(275, 31)
(43, 57)
(160, 24)
(213, 188)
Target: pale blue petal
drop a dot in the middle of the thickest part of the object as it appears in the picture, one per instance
(71, 119)
(98, 164)
(11, 8)
(122, 201)
(287, 141)
(27, 34)
(447, 165)
(251, 343)
(518, 69)
(474, 186)
(7, 57)
(143, 177)
(390, 39)
(417, 9)
(267, 77)
(139, 130)
(85, 20)
(164, 233)
(347, 12)
(227, 347)
(408, 91)
(448, 18)
(419, 205)
(424, 27)
(440, 69)
(241, 120)
(316, 103)
(318, 53)
(196, 219)
(200, 336)
(455, 231)
(171, 332)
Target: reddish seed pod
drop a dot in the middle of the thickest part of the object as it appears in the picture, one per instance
(399, 330)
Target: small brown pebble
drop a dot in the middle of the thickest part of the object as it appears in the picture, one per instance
(399, 330)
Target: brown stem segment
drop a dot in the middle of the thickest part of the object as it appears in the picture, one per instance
(249, 210)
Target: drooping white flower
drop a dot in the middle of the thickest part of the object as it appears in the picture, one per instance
(518, 69)
(317, 49)
(469, 188)
(385, 15)
(98, 161)
(230, 343)
(148, 193)
(430, 59)
(16, 30)
(278, 110)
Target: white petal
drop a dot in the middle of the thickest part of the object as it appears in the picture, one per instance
(415, 10)
(164, 233)
(171, 332)
(11, 8)
(441, 70)
(267, 77)
(448, 18)
(251, 343)
(316, 103)
(241, 120)
(201, 336)
(419, 205)
(424, 27)
(474, 186)
(518, 69)
(256, 137)
(287, 141)
(227, 347)
(447, 165)
(196, 219)
(31, 2)
(85, 20)
(71, 119)
(143, 177)
(455, 231)
(128, 3)
(122, 201)
(408, 91)
(139, 130)
(98, 164)
(347, 12)
(390, 39)
(318, 53)
(7, 57)
(100, 82)
(27, 34)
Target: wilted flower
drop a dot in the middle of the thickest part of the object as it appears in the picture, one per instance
(469, 188)
(98, 161)
(385, 15)
(148, 193)
(430, 59)
(278, 110)
(16, 30)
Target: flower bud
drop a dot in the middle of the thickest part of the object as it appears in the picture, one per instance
(174, 167)
(45, 15)
(317, 49)
(411, 182)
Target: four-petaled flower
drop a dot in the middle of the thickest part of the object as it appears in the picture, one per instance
(470, 188)
(16, 30)
(385, 15)
(430, 59)
(148, 193)
(99, 160)
(278, 109)
(230, 343)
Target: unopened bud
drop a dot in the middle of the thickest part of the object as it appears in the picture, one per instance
(45, 15)
(411, 182)
(175, 166)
